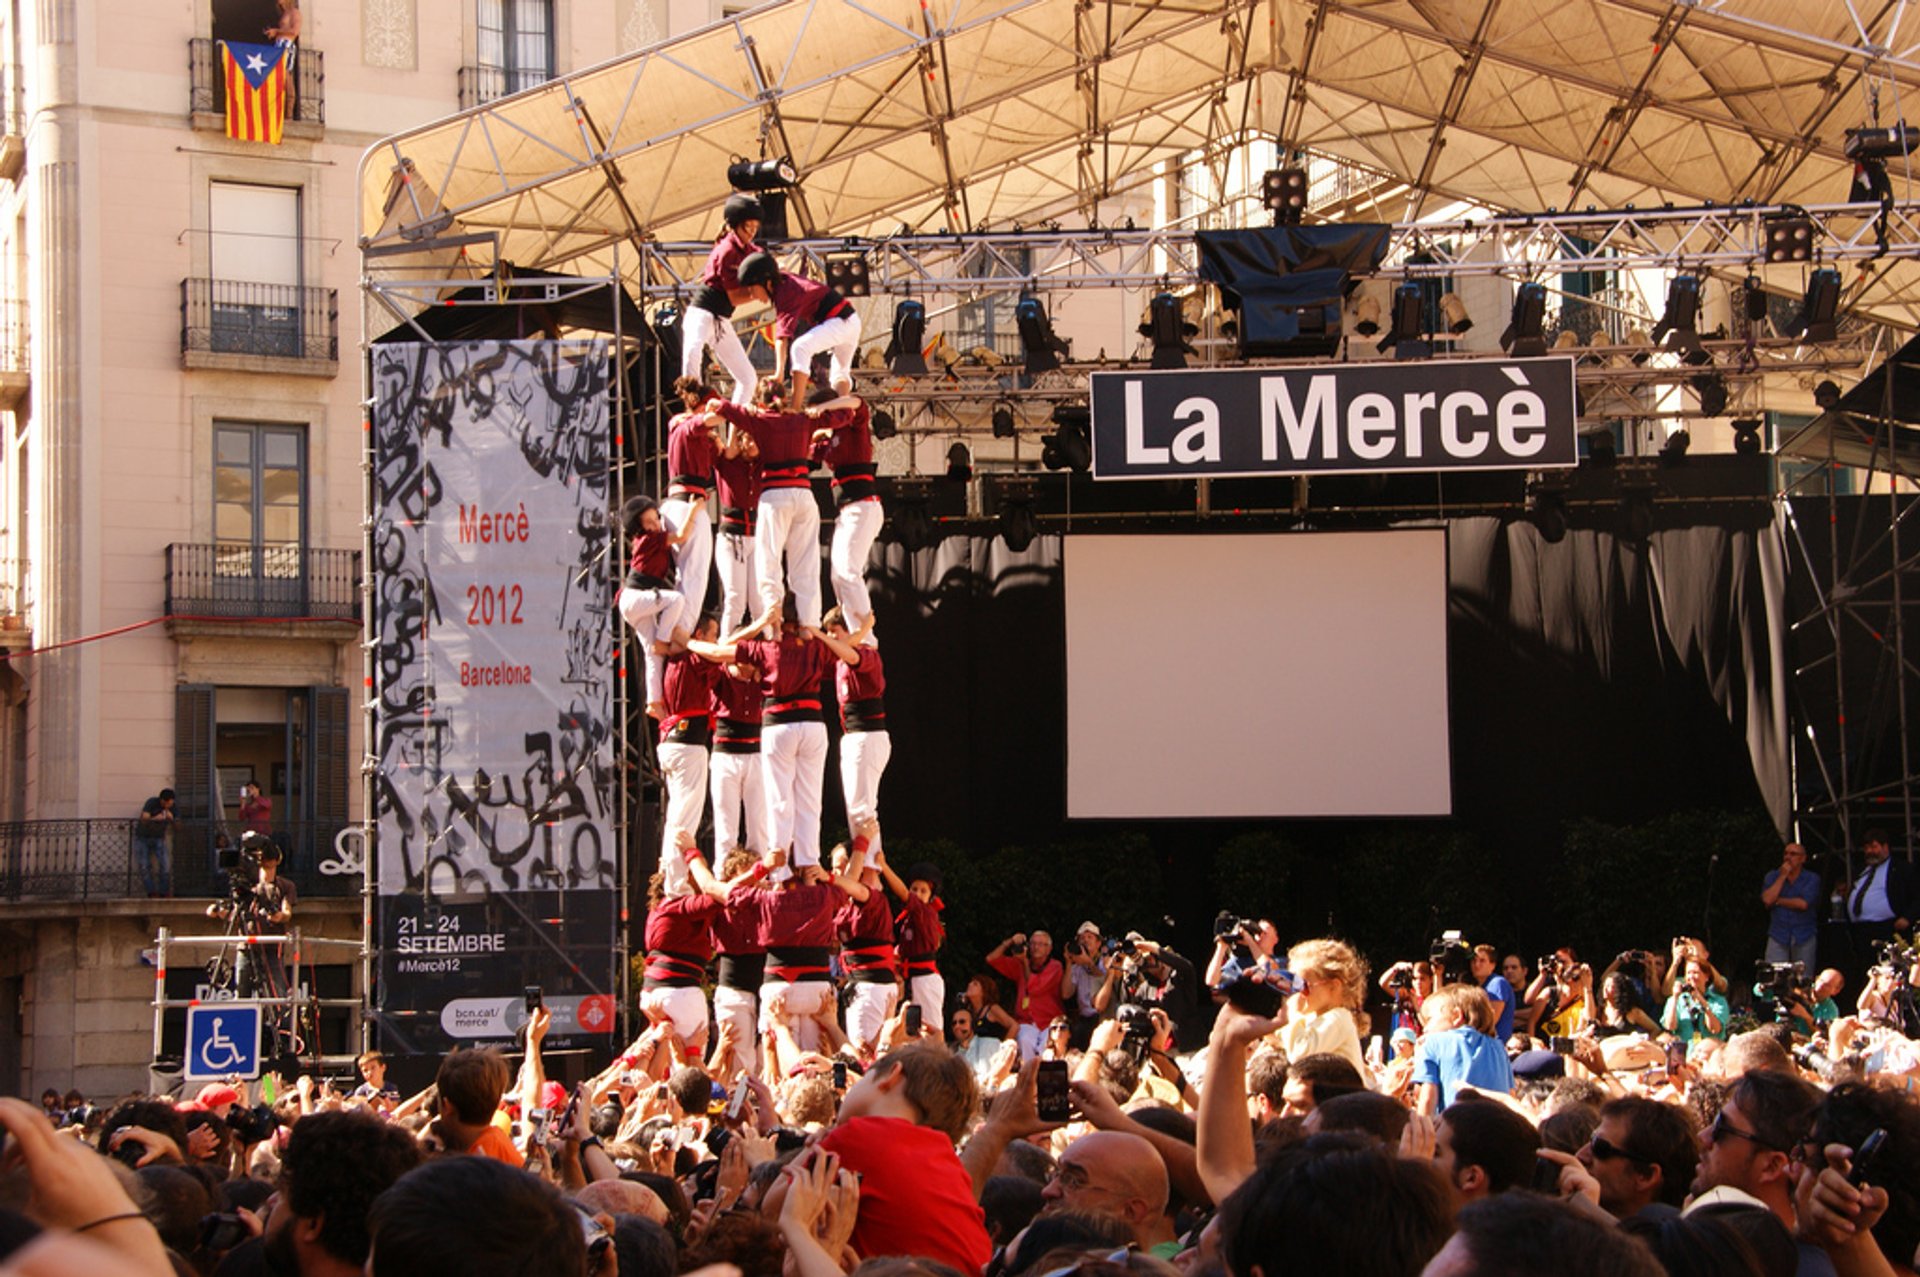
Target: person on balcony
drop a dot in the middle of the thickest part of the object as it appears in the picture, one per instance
(150, 831)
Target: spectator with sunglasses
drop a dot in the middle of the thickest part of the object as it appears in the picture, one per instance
(1751, 1146)
(1642, 1153)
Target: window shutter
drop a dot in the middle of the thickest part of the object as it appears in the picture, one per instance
(331, 741)
(193, 752)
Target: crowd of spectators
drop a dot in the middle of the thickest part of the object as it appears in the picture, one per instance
(1100, 1108)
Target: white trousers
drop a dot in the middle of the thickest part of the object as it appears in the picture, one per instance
(840, 338)
(733, 557)
(803, 1002)
(652, 614)
(740, 1009)
(684, 768)
(692, 558)
(787, 534)
(929, 993)
(739, 790)
(685, 1009)
(868, 1006)
(863, 758)
(793, 763)
(854, 531)
(700, 329)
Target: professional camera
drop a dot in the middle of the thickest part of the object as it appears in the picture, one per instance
(1781, 984)
(1121, 945)
(1017, 948)
(1136, 1029)
(1895, 958)
(242, 863)
(1400, 979)
(1549, 965)
(252, 1125)
(1454, 957)
(1634, 964)
(1227, 927)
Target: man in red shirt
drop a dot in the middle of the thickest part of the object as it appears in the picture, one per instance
(707, 321)
(808, 318)
(679, 941)
(867, 955)
(685, 733)
(737, 477)
(846, 444)
(1028, 961)
(739, 797)
(787, 525)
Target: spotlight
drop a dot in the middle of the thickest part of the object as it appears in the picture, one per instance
(1526, 332)
(1819, 307)
(912, 526)
(1284, 192)
(1547, 511)
(1674, 450)
(1408, 323)
(882, 424)
(1681, 318)
(1756, 295)
(959, 462)
(1167, 326)
(1826, 395)
(1880, 144)
(1789, 237)
(1366, 315)
(1003, 424)
(1455, 310)
(1746, 436)
(1712, 390)
(1641, 344)
(762, 175)
(1018, 527)
(1636, 515)
(1037, 340)
(847, 274)
(1070, 446)
(1602, 448)
(904, 354)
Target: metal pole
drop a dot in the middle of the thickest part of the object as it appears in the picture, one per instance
(369, 669)
(159, 989)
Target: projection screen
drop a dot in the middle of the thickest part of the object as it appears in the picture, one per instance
(1290, 674)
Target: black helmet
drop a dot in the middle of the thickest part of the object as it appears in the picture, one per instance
(759, 268)
(741, 208)
(630, 512)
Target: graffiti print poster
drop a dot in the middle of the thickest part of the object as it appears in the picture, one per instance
(493, 798)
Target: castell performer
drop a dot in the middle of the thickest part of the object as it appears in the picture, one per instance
(739, 796)
(708, 318)
(919, 932)
(691, 454)
(846, 445)
(679, 942)
(736, 474)
(787, 529)
(685, 733)
(867, 955)
(865, 745)
(648, 602)
(808, 318)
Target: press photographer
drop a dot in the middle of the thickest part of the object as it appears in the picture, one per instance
(1143, 971)
(259, 903)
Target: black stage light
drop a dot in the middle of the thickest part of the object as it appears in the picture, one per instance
(959, 462)
(1820, 307)
(1284, 192)
(847, 274)
(1408, 323)
(1788, 237)
(882, 424)
(1018, 527)
(1526, 332)
(1756, 295)
(911, 525)
(1681, 318)
(1826, 395)
(905, 353)
(1167, 326)
(666, 331)
(1070, 446)
(1043, 349)
(1746, 436)
(1712, 390)
(1547, 511)
(1003, 423)
(762, 175)
(1674, 450)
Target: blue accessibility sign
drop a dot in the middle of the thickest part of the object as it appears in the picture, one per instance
(223, 1040)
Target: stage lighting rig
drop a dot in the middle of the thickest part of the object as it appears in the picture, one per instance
(768, 181)
(1004, 426)
(1746, 436)
(1169, 330)
(847, 273)
(910, 523)
(905, 353)
(1409, 322)
(1819, 309)
(883, 425)
(1070, 446)
(1042, 348)
(1284, 192)
(1547, 511)
(1018, 526)
(1455, 312)
(1526, 332)
(1680, 320)
(1711, 388)
(959, 462)
(1366, 315)
(1789, 237)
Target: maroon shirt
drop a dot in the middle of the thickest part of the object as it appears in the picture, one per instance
(849, 451)
(791, 671)
(679, 941)
(921, 933)
(691, 452)
(862, 688)
(800, 303)
(736, 939)
(785, 438)
(688, 682)
(797, 926)
(738, 478)
(866, 938)
(653, 558)
(737, 704)
(722, 274)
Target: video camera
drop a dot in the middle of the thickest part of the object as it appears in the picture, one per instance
(1454, 958)
(1136, 1029)
(1895, 958)
(1227, 927)
(241, 863)
(1781, 983)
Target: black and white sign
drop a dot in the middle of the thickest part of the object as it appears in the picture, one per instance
(1483, 414)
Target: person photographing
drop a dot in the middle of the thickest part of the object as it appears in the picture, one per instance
(262, 907)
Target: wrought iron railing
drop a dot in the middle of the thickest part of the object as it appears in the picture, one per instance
(481, 85)
(14, 347)
(309, 87)
(99, 859)
(273, 321)
(238, 579)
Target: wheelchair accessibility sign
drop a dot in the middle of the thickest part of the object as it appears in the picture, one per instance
(223, 1040)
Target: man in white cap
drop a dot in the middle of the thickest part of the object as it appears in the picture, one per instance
(1085, 972)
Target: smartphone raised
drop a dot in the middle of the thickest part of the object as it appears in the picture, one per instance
(1865, 1156)
(839, 1075)
(737, 1098)
(537, 1125)
(915, 1019)
(1050, 1091)
(1560, 1046)
(533, 998)
(1255, 997)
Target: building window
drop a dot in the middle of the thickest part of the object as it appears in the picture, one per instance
(259, 500)
(254, 262)
(516, 44)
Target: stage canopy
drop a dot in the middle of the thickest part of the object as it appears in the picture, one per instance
(952, 115)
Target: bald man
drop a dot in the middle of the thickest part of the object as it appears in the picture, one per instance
(623, 1197)
(1117, 1174)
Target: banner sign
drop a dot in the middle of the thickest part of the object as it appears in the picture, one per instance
(494, 725)
(1483, 414)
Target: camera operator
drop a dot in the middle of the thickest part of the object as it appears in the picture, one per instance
(1686, 949)
(1696, 1010)
(1814, 1008)
(1153, 976)
(1561, 995)
(262, 907)
(1409, 984)
(1028, 961)
(1085, 972)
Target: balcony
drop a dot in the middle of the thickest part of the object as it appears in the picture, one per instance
(242, 327)
(481, 85)
(306, 114)
(236, 581)
(77, 860)
(14, 352)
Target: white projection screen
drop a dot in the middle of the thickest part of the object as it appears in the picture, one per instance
(1274, 675)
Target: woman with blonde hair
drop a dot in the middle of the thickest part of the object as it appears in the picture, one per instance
(1324, 1015)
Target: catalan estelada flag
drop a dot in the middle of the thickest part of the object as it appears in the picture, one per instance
(256, 80)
